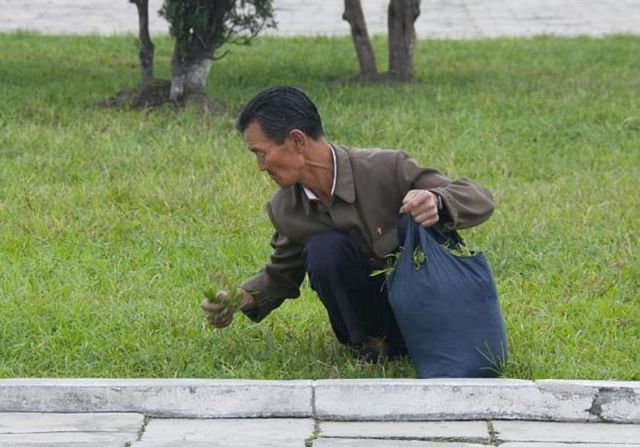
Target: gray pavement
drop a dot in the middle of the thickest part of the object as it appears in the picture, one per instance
(458, 19)
(321, 413)
(108, 429)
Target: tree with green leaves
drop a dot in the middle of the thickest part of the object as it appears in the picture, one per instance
(199, 28)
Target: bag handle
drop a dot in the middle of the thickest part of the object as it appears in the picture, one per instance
(409, 232)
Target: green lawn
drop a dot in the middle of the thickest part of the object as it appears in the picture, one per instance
(110, 221)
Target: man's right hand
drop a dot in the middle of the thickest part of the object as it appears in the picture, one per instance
(220, 312)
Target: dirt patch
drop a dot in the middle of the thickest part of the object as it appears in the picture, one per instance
(155, 94)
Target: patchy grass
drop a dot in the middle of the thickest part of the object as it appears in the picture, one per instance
(110, 221)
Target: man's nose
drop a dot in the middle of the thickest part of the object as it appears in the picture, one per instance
(261, 165)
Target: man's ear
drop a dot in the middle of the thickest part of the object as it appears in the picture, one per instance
(298, 138)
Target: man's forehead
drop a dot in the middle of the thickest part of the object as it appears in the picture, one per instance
(255, 137)
(254, 132)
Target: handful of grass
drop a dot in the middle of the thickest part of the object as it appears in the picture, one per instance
(230, 301)
(229, 296)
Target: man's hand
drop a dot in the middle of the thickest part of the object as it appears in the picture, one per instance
(220, 312)
(423, 206)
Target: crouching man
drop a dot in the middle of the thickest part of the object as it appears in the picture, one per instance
(335, 218)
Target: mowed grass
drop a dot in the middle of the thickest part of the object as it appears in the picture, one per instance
(111, 221)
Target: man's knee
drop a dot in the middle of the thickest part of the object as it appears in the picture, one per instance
(328, 251)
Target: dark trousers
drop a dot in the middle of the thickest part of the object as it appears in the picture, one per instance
(356, 302)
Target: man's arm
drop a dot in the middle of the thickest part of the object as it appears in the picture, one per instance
(266, 290)
(278, 280)
(464, 203)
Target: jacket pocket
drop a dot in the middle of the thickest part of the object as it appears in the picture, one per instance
(386, 242)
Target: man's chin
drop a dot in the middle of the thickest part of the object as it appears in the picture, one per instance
(282, 184)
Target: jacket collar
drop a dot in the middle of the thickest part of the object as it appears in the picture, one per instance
(345, 188)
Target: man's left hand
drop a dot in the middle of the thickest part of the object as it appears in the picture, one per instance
(423, 206)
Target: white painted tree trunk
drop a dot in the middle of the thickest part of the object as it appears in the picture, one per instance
(196, 76)
(193, 79)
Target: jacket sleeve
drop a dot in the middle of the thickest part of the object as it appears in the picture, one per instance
(278, 280)
(467, 203)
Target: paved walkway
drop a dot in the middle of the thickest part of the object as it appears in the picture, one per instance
(321, 413)
(439, 18)
(121, 429)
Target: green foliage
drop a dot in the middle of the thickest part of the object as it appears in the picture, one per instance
(418, 257)
(461, 250)
(498, 361)
(391, 260)
(209, 24)
(111, 220)
(224, 291)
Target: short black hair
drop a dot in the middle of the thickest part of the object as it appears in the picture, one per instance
(279, 110)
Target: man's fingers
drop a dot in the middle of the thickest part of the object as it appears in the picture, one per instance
(247, 300)
(208, 306)
(220, 321)
(409, 204)
(427, 219)
(424, 211)
(417, 202)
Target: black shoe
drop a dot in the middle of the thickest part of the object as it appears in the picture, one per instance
(373, 350)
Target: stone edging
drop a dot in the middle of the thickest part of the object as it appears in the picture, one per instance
(369, 399)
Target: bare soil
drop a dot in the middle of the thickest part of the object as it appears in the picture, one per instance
(155, 94)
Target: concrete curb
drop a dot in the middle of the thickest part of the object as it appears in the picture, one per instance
(192, 398)
(357, 400)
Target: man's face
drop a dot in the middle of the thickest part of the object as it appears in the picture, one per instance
(282, 162)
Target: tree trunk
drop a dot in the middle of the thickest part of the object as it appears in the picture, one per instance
(194, 50)
(146, 45)
(195, 77)
(177, 71)
(189, 77)
(402, 34)
(366, 58)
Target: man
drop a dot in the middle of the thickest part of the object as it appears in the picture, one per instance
(336, 216)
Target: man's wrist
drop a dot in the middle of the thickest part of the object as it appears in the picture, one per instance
(248, 301)
(443, 211)
(439, 203)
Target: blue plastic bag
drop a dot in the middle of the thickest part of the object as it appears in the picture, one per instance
(446, 306)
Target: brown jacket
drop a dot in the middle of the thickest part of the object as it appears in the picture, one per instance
(370, 186)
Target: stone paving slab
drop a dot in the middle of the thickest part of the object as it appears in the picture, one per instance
(476, 430)
(555, 432)
(95, 439)
(74, 429)
(11, 423)
(67, 444)
(559, 444)
(226, 432)
(333, 442)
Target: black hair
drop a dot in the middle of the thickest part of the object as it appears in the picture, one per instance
(279, 110)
